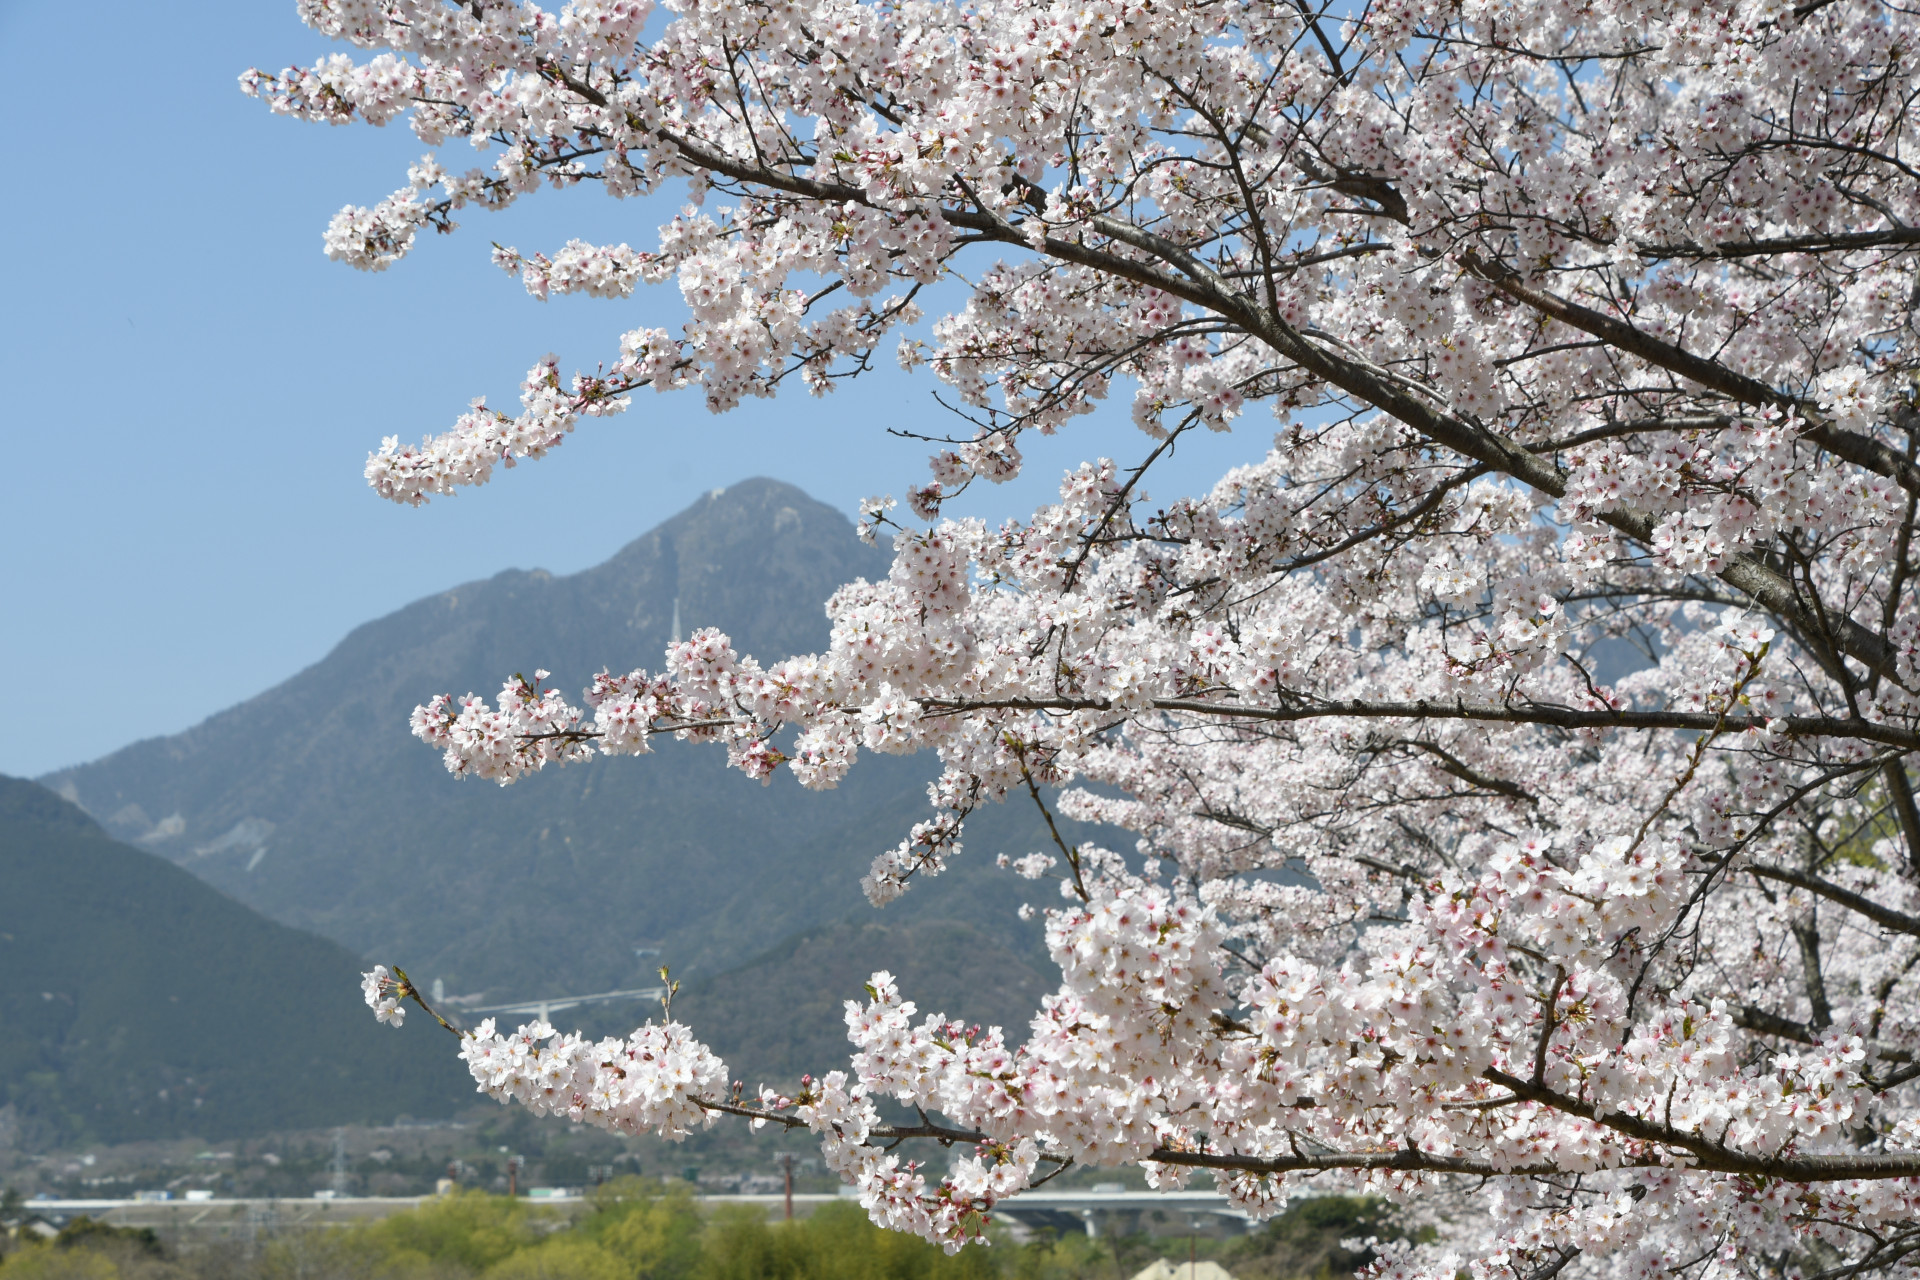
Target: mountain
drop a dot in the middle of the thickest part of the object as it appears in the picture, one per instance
(139, 1003)
(312, 803)
(782, 1013)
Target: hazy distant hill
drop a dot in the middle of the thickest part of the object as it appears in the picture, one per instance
(136, 1002)
(312, 803)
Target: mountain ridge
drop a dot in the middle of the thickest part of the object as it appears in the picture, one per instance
(311, 802)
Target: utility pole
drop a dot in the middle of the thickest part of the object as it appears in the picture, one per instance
(787, 1160)
(513, 1176)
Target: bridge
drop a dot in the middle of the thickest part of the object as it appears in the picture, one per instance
(544, 1009)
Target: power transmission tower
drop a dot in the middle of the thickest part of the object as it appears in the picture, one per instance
(339, 1163)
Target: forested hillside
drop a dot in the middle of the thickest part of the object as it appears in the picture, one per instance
(137, 1002)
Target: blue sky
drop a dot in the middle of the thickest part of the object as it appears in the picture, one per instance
(194, 387)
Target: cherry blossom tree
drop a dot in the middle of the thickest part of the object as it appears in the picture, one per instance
(1514, 753)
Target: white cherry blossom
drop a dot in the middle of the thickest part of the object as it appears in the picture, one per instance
(1513, 748)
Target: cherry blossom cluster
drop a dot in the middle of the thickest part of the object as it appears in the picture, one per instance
(1513, 748)
(662, 1080)
(1523, 972)
(530, 724)
(952, 1211)
(651, 1082)
(579, 267)
(550, 409)
(382, 992)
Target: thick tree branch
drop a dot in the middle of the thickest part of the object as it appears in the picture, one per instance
(1861, 450)
(1705, 1154)
(1194, 281)
(1900, 798)
(1842, 242)
(1884, 916)
(1753, 1018)
(1479, 712)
